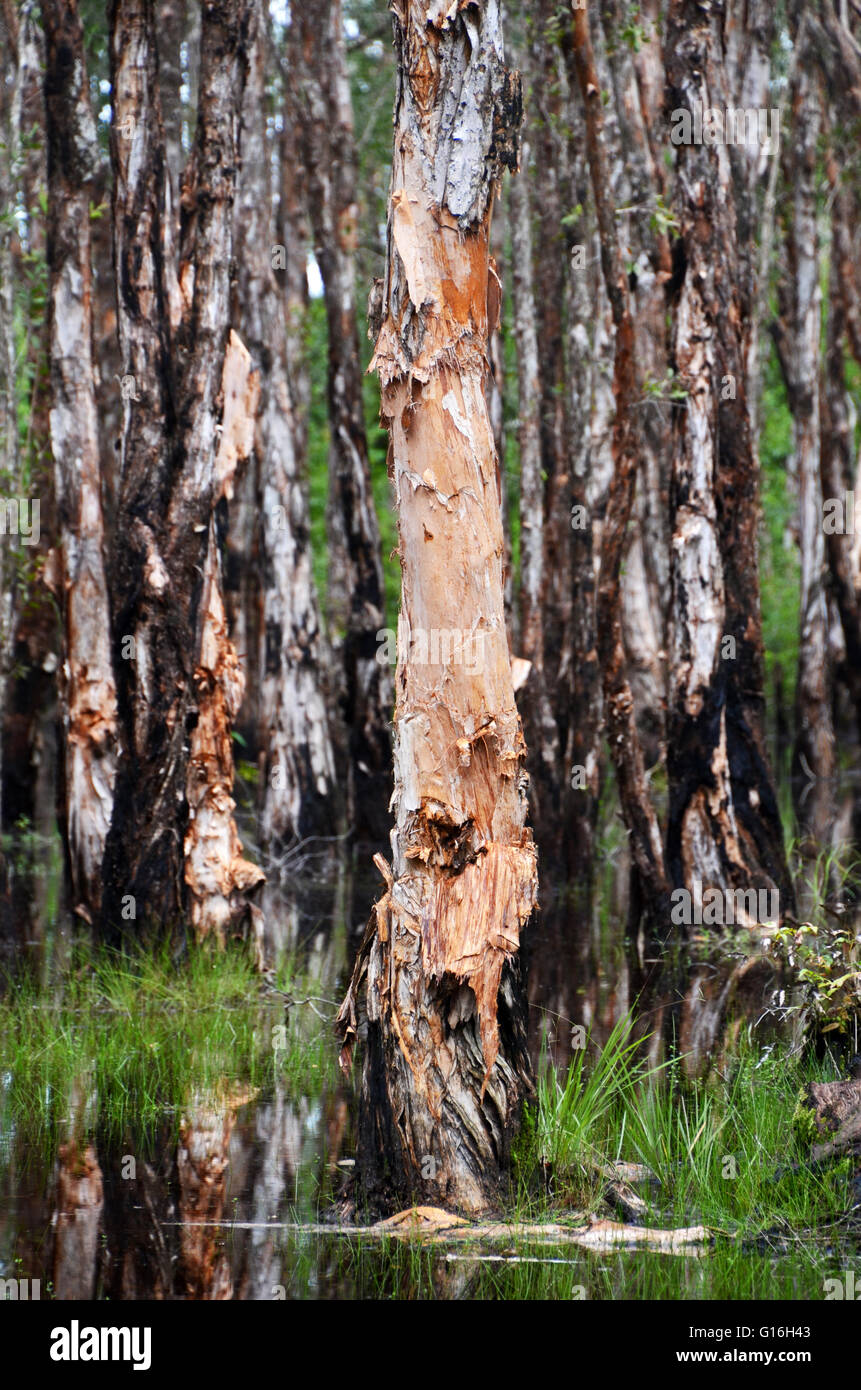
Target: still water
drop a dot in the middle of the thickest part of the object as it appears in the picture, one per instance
(228, 1194)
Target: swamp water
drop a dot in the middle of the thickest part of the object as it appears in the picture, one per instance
(161, 1141)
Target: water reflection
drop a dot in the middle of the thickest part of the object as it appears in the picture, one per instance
(209, 1203)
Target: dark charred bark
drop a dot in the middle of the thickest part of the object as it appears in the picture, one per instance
(173, 335)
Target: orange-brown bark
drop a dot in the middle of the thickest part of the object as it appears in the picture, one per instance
(445, 1065)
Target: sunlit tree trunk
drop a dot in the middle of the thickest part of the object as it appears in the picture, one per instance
(445, 1063)
(88, 690)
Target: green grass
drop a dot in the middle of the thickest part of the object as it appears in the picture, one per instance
(714, 1147)
(525, 1270)
(140, 1035)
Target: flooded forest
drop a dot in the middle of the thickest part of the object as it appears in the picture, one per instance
(430, 650)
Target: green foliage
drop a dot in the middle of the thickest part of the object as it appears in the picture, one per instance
(574, 1115)
(143, 1034)
(668, 389)
(824, 951)
(779, 562)
(716, 1150)
(713, 1148)
(662, 220)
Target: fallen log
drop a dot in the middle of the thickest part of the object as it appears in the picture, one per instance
(434, 1226)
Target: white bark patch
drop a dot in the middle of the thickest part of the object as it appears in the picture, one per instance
(408, 247)
(69, 310)
(240, 388)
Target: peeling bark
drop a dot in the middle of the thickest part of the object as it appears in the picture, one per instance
(87, 686)
(445, 1063)
(218, 877)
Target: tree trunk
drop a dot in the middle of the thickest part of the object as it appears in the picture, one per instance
(172, 844)
(549, 177)
(838, 450)
(543, 739)
(299, 797)
(446, 1064)
(88, 690)
(294, 235)
(356, 571)
(813, 753)
(724, 827)
(642, 823)
(638, 186)
(29, 718)
(9, 450)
